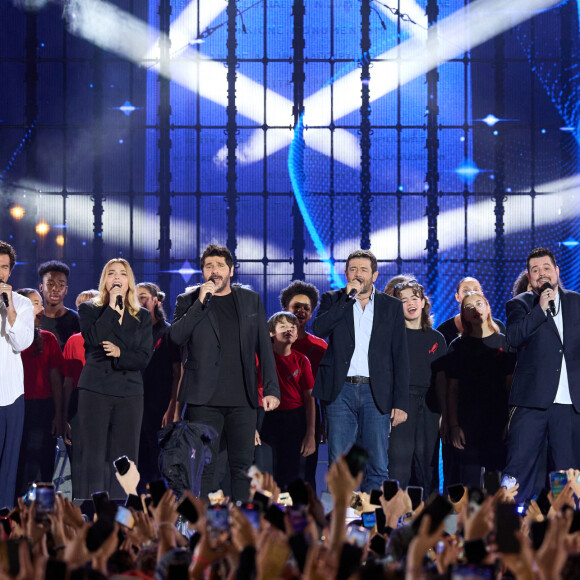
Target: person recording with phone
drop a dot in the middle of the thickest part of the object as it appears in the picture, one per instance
(16, 334)
(222, 327)
(543, 324)
(118, 345)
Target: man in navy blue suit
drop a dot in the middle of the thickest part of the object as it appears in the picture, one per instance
(544, 325)
(364, 375)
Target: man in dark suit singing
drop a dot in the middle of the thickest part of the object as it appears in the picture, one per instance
(364, 375)
(223, 327)
(544, 325)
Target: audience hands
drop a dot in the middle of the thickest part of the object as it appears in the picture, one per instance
(565, 497)
(396, 507)
(340, 481)
(130, 480)
(420, 544)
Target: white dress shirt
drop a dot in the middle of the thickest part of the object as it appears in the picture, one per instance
(563, 393)
(13, 340)
(363, 327)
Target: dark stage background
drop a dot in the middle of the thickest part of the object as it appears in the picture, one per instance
(441, 134)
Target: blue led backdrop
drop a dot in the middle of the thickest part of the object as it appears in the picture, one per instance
(441, 134)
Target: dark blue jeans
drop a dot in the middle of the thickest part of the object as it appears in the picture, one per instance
(528, 430)
(354, 412)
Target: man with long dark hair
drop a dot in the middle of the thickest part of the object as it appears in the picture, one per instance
(223, 327)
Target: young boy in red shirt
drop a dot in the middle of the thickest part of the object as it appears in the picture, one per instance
(287, 433)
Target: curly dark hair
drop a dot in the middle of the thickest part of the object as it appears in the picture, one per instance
(215, 250)
(7, 249)
(295, 288)
(521, 283)
(540, 253)
(53, 266)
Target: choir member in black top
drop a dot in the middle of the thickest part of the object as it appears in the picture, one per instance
(160, 383)
(479, 370)
(452, 327)
(58, 319)
(118, 347)
(414, 443)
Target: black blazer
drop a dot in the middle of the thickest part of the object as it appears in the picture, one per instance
(537, 340)
(120, 377)
(197, 328)
(388, 357)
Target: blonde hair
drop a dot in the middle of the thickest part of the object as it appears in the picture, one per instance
(85, 296)
(131, 302)
(467, 325)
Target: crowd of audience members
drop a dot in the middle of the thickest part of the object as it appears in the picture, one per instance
(295, 535)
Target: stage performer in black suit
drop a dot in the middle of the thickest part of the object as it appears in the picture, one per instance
(223, 326)
(118, 346)
(364, 375)
(543, 324)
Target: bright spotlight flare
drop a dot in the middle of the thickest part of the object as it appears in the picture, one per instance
(109, 28)
(460, 32)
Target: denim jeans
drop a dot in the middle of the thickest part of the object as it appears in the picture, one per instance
(354, 412)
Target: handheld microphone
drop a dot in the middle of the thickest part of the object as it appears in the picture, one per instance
(352, 294)
(119, 299)
(208, 295)
(551, 303)
(5, 297)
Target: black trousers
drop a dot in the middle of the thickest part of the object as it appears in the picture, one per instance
(74, 450)
(149, 447)
(37, 449)
(238, 424)
(282, 434)
(109, 427)
(412, 445)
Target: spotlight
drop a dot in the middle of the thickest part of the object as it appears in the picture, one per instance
(60, 240)
(42, 228)
(17, 212)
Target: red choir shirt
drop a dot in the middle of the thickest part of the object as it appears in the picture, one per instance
(313, 348)
(294, 377)
(37, 367)
(74, 358)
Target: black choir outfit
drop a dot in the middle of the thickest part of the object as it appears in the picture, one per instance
(110, 403)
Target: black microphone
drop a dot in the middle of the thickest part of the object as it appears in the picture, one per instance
(352, 294)
(551, 303)
(119, 299)
(208, 295)
(5, 297)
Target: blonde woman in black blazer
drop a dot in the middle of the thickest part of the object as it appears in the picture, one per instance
(118, 345)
